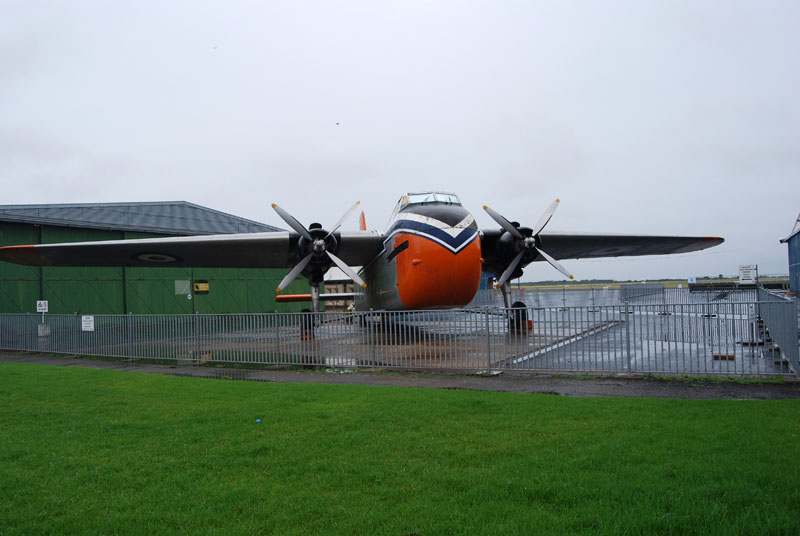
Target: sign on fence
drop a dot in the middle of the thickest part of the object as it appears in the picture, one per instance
(748, 274)
(87, 323)
(41, 306)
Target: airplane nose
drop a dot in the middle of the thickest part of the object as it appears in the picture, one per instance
(432, 275)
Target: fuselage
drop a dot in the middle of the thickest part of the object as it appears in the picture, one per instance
(431, 256)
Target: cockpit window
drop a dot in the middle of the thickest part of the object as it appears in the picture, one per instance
(420, 198)
(430, 197)
(423, 198)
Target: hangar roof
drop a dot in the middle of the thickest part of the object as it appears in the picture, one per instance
(794, 231)
(165, 217)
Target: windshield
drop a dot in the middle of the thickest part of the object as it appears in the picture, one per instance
(422, 198)
(431, 197)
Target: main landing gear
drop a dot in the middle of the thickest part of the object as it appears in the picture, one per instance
(517, 312)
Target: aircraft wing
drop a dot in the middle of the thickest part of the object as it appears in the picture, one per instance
(580, 246)
(250, 250)
(503, 256)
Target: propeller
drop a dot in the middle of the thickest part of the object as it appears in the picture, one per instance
(526, 241)
(317, 244)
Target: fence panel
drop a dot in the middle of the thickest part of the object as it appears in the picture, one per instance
(779, 317)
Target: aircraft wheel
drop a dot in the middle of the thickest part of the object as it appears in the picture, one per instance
(518, 322)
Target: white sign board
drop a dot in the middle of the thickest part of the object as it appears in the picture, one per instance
(692, 281)
(87, 323)
(747, 273)
(41, 306)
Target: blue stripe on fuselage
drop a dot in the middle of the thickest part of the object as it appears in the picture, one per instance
(453, 243)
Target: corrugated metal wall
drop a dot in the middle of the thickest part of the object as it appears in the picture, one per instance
(131, 290)
(794, 263)
(19, 285)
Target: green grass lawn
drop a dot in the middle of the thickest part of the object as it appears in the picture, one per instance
(92, 452)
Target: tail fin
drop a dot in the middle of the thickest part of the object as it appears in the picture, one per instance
(362, 222)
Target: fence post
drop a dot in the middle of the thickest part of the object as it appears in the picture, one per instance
(628, 339)
(372, 336)
(276, 323)
(129, 335)
(361, 320)
(195, 345)
(488, 341)
(28, 338)
(75, 333)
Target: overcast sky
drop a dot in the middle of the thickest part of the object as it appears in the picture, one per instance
(657, 117)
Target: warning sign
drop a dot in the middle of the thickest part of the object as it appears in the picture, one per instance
(748, 273)
(87, 323)
(201, 287)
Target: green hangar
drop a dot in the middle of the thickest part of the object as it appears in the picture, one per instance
(132, 290)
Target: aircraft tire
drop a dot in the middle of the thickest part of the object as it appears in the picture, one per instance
(518, 321)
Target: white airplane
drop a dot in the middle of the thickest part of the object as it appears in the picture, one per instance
(431, 255)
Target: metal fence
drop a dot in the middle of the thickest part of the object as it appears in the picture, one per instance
(628, 292)
(781, 330)
(723, 336)
(599, 295)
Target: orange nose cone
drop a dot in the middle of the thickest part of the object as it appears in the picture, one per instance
(430, 275)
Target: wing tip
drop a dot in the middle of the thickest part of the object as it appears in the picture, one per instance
(714, 238)
(700, 243)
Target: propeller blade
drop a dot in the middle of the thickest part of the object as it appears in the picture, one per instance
(347, 270)
(343, 218)
(293, 223)
(545, 217)
(504, 223)
(295, 272)
(554, 263)
(510, 270)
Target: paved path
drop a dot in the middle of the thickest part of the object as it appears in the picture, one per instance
(509, 381)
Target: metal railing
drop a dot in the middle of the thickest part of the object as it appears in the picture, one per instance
(717, 337)
(780, 324)
(599, 295)
(633, 291)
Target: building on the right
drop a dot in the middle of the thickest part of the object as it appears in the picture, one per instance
(794, 256)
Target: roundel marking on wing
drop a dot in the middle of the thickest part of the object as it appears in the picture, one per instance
(156, 258)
